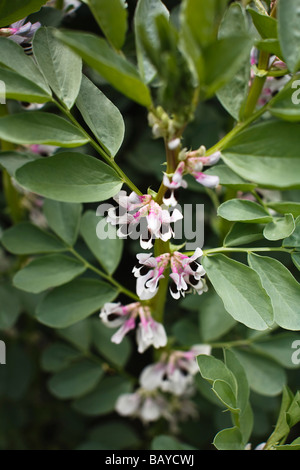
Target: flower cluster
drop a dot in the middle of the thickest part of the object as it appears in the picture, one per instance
(187, 274)
(130, 317)
(132, 210)
(164, 389)
(191, 163)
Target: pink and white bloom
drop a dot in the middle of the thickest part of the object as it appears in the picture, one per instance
(174, 373)
(149, 272)
(148, 331)
(141, 404)
(135, 209)
(21, 32)
(192, 164)
(187, 274)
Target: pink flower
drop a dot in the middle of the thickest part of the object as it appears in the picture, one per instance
(134, 209)
(187, 274)
(21, 32)
(148, 272)
(174, 374)
(193, 164)
(148, 332)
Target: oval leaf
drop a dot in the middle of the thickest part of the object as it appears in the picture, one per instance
(48, 271)
(40, 128)
(70, 177)
(61, 67)
(69, 304)
(282, 288)
(267, 154)
(101, 115)
(241, 291)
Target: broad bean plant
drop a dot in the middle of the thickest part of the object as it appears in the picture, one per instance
(150, 232)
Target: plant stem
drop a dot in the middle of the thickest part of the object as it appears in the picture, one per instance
(109, 160)
(102, 274)
(224, 249)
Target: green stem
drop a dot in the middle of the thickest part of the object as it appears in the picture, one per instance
(224, 249)
(103, 275)
(109, 160)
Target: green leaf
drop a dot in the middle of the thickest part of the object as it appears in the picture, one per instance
(101, 115)
(26, 238)
(70, 177)
(264, 375)
(76, 380)
(213, 369)
(296, 260)
(243, 234)
(68, 304)
(115, 435)
(10, 307)
(214, 321)
(237, 369)
(11, 161)
(64, 219)
(229, 439)
(279, 228)
(58, 356)
(289, 30)
(164, 442)
(285, 207)
(294, 239)
(266, 154)
(144, 19)
(225, 394)
(40, 128)
(223, 60)
(265, 24)
(272, 46)
(234, 93)
(278, 348)
(242, 210)
(108, 251)
(102, 400)
(79, 334)
(119, 72)
(282, 288)
(202, 18)
(60, 66)
(240, 290)
(48, 271)
(20, 88)
(101, 337)
(112, 19)
(285, 105)
(230, 179)
(10, 12)
(12, 56)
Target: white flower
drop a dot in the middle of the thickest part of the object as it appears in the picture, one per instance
(128, 404)
(148, 333)
(141, 404)
(133, 210)
(148, 272)
(187, 274)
